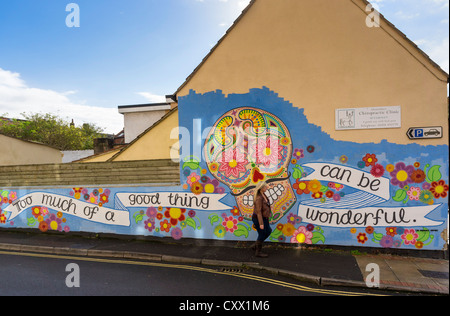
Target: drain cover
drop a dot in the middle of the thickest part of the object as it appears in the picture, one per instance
(233, 270)
(434, 274)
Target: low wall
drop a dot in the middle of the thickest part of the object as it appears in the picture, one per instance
(103, 173)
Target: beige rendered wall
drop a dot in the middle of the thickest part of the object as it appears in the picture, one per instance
(321, 56)
(18, 152)
(154, 144)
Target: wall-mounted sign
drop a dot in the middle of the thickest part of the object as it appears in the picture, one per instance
(368, 118)
(424, 132)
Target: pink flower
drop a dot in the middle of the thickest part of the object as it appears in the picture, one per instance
(302, 235)
(410, 236)
(268, 152)
(230, 224)
(413, 193)
(233, 163)
(193, 178)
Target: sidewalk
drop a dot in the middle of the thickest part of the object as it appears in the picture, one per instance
(340, 268)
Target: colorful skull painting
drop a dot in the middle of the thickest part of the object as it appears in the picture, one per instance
(246, 146)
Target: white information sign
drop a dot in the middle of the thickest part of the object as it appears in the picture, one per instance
(368, 118)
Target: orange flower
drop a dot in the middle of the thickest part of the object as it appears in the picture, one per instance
(165, 226)
(314, 186)
(197, 188)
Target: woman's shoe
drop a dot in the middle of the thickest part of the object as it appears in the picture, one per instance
(258, 252)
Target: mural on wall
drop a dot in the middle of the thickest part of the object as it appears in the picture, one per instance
(322, 191)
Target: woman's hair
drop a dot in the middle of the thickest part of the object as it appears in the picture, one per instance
(258, 188)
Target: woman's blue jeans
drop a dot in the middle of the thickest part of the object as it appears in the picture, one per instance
(263, 234)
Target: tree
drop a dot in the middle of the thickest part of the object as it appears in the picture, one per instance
(52, 130)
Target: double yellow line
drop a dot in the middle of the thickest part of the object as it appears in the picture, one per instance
(193, 268)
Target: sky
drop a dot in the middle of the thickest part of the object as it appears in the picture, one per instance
(137, 51)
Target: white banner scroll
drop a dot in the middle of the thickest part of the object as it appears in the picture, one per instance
(358, 209)
(69, 206)
(369, 216)
(352, 177)
(173, 199)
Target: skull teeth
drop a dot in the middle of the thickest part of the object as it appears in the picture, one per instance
(272, 194)
(248, 200)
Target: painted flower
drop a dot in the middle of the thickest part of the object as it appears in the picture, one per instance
(233, 163)
(230, 224)
(267, 152)
(301, 187)
(362, 238)
(418, 176)
(13, 196)
(220, 231)
(439, 189)
(426, 196)
(335, 186)
(401, 175)
(391, 231)
(213, 167)
(2, 218)
(314, 186)
(197, 188)
(317, 195)
(370, 159)
(369, 229)
(151, 212)
(288, 229)
(175, 215)
(377, 171)
(310, 149)
(419, 245)
(413, 193)
(343, 159)
(235, 211)
(409, 236)
(149, 224)
(36, 211)
(387, 241)
(54, 223)
(302, 236)
(176, 233)
(285, 141)
(191, 213)
(310, 227)
(43, 226)
(193, 178)
(298, 154)
(294, 219)
(104, 198)
(165, 226)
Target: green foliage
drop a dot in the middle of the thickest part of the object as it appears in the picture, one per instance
(52, 130)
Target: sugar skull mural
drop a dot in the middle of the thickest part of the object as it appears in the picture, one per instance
(246, 146)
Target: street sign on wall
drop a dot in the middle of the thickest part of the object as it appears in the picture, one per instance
(425, 132)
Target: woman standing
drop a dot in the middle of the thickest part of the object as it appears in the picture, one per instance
(260, 218)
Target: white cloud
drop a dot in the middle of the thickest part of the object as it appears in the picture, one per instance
(17, 97)
(153, 98)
